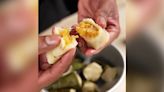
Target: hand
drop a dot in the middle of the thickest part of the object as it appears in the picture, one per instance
(105, 13)
(50, 73)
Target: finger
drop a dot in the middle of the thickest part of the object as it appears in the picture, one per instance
(114, 33)
(100, 20)
(84, 10)
(81, 12)
(43, 63)
(113, 28)
(111, 22)
(91, 52)
(54, 73)
(47, 43)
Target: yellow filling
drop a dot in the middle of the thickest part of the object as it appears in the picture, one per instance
(65, 34)
(86, 29)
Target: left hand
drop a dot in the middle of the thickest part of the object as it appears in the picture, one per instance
(105, 13)
(48, 74)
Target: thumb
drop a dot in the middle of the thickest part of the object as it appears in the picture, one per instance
(100, 20)
(47, 43)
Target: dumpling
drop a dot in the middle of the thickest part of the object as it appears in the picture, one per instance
(67, 42)
(94, 35)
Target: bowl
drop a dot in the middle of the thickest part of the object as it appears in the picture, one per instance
(109, 56)
(112, 57)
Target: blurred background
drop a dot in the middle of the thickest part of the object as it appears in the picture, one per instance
(18, 45)
(145, 45)
(140, 42)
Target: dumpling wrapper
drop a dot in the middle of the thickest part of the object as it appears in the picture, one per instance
(67, 42)
(94, 35)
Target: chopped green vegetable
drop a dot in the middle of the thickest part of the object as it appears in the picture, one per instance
(77, 64)
(72, 80)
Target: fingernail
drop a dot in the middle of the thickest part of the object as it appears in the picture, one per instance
(101, 21)
(52, 40)
(90, 52)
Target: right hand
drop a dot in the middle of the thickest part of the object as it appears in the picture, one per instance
(104, 13)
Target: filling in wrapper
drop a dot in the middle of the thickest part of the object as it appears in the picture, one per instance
(94, 35)
(67, 42)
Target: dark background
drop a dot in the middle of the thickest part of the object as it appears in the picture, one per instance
(51, 11)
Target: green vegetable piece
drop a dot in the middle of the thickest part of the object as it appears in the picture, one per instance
(72, 80)
(77, 64)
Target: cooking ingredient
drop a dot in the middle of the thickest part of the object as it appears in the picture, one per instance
(94, 35)
(72, 80)
(89, 87)
(92, 71)
(63, 90)
(109, 74)
(77, 64)
(67, 42)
